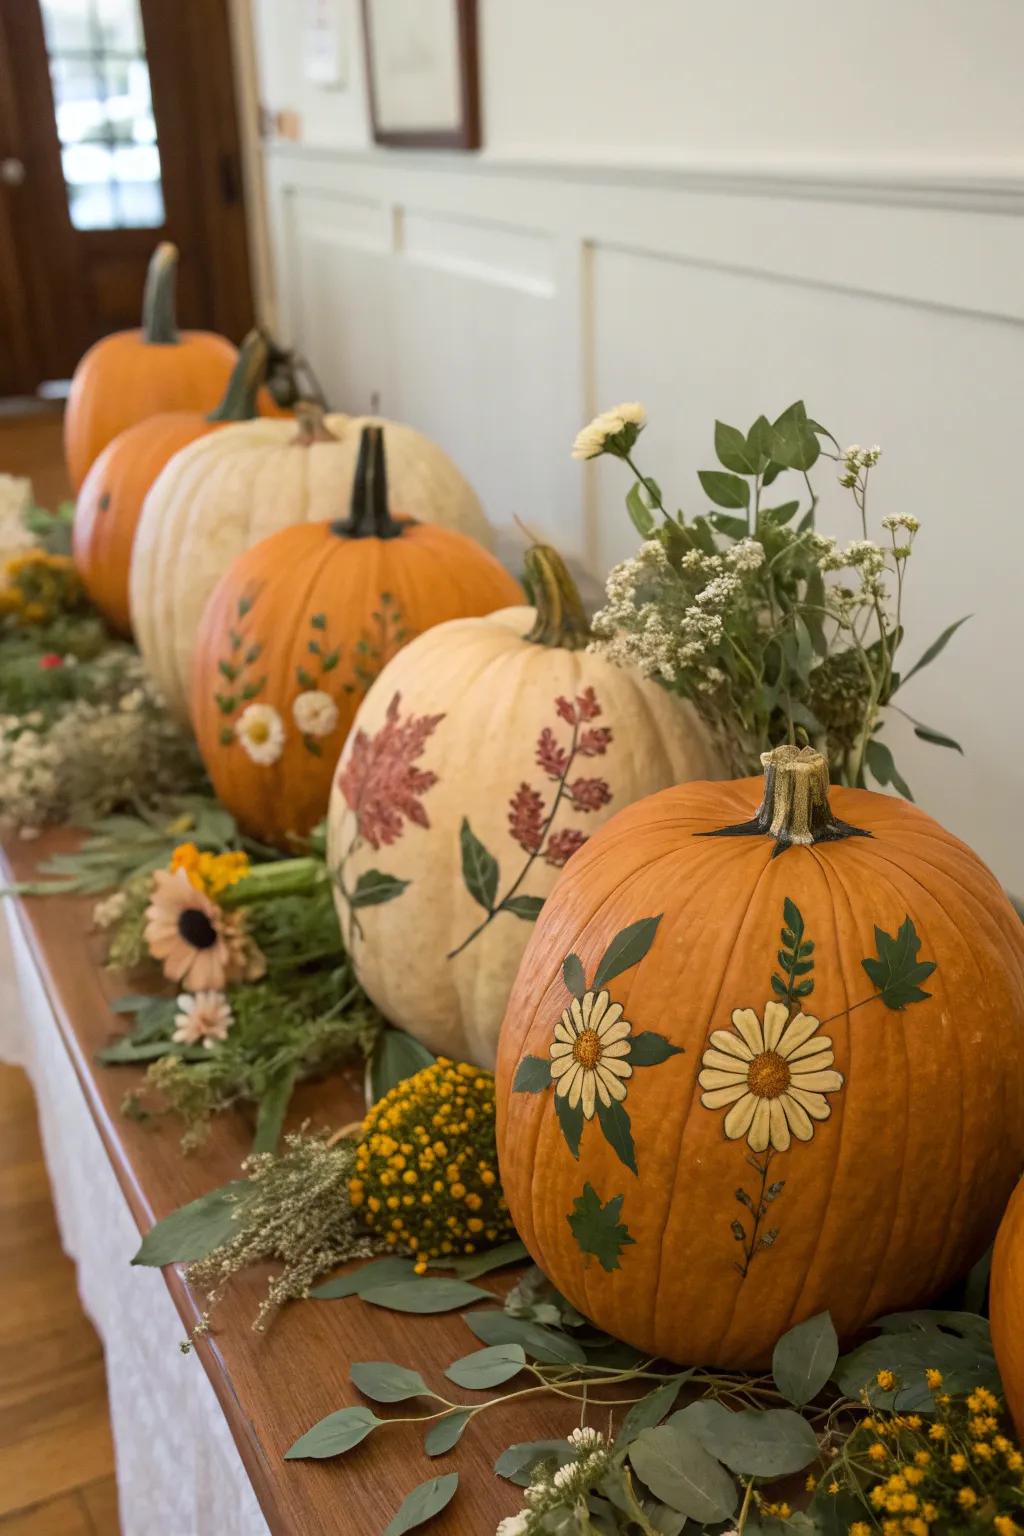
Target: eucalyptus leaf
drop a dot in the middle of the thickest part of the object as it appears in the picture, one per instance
(804, 1359)
(936, 738)
(273, 1107)
(367, 1277)
(935, 649)
(883, 767)
(650, 1410)
(425, 1295)
(194, 1230)
(487, 1367)
(426, 1501)
(959, 1346)
(473, 1264)
(386, 1382)
(445, 1433)
(545, 1344)
(753, 1442)
(677, 1469)
(518, 1462)
(333, 1436)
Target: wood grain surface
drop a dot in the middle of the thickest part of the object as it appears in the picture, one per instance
(272, 1387)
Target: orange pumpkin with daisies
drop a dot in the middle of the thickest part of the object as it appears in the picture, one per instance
(1006, 1306)
(763, 1061)
(297, 630)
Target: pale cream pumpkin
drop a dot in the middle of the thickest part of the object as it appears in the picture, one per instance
(484, 755)
(226, 492)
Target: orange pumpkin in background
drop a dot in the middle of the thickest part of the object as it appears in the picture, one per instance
(109, 504)
(735, 1090)
(130, 375)
(297, 630)
(1006, 1306)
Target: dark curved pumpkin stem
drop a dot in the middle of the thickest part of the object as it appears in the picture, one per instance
(795, 808)
(239, 400)
(370, 517)
(309, 419)
(159, 299)
(561, 620)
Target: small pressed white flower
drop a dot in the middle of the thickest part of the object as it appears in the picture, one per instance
(585, 1438)
(110, 910)
(202, 1017)
(514, 1525)
(614, 431)
(315, 713)
(260, 730)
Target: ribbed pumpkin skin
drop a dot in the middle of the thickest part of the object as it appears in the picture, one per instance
(492, 692)
(896, 1193)
(226, 492)
(308, 572)
(1006, 1306)
(123, 378)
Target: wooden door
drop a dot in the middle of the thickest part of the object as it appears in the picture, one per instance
(117, 130)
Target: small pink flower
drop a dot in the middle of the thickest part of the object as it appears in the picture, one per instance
(51, 660)
(525, 817)
(589, 794)
(202, 1017)
(562, 845)
(379, 781)
(566, 710)
(550, 756)
(587, 705)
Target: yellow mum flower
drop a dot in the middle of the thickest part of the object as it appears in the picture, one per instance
(967, 1498)
(886, 1380)
(877, 1452)
(933, 1378)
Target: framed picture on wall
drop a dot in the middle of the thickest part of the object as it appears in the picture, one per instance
(421, 68)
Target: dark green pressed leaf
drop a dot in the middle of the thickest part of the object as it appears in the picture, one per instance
(517, 1463)
(614, 1120)
(333, 1436)
(194, 1230)
(724, 490)
(533, 1075)
(426, 1294)
(374, 887)
(571, 1121)
(897, 972)
(597, 1229)
(648, 1048)
(526, 907)
(273, 1107)
(367, 1277)
(805, 1358)
(545, 1344)
(479, 868)
(650, 1410)
(734, 451)
(640, 514)
(473, 1264)
(396, 1056)
(487, 1367)
(386, 1382)
(754, 1442)
(935, 649)
(573, 976)
(628, 948)
(423, 1504)
(446, 1432)
(882, 767)
(682, 1474)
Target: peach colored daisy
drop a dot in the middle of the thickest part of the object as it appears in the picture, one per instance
(202, 1018)
(185, 932)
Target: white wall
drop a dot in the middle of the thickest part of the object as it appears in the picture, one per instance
(714, 210)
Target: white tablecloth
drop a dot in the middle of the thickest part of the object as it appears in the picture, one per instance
(178, 1471)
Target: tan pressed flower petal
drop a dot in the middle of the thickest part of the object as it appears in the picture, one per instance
(748, 1027)
(613, 1029)
(799, 1120)
(602, 1091)
(588, 1095)
(616, 1066)
(801, 1065)
(775, 1016)
(615, 1086)
(565, 1080)
(724, 1040)
(809, 1047)
(798, 1030)
(737, 1121)
(821, 1082)
(714, 1077)
(724, 1062)
(717, 1098)
(587, 1006)
(559, 1048)
(576, 1014)
(778, 1126)
(816, 1104)
(578, 1084)
(561, 1064)
(564, 1028)
(598, 1008)
(760, 1126)
(617, 1048)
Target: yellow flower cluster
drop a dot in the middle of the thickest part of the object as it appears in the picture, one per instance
(36, 586)
(426, 1172)
(933, 1476)
(210, 873)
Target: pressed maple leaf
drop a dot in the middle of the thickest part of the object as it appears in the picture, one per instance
(597, 1228)
(897, 972)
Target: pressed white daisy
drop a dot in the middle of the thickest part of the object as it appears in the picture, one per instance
(773, 1076)
(315, 713)
(593, 438)
(202, 1017)
(590, 1052)
(260, 729)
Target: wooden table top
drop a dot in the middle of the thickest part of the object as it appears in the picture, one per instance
(273, 1387)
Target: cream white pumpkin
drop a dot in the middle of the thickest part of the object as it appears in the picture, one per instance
(483, 756)
(226, 492)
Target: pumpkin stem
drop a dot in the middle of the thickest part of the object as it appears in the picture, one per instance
(159, 316)
(309, 418)
(560, 619)
(370, 517)
(239, 399)
(795, 808)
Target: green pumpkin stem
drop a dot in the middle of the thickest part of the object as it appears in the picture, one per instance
(309, 419)
(795, 808)
(561, 620)
(370, 517)
(159, 300)
(250, 370)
